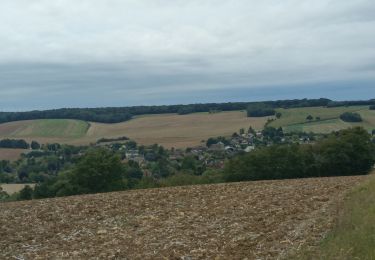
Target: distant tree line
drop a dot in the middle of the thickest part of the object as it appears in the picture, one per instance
(120, 114)
(351, 103)
(348, 152)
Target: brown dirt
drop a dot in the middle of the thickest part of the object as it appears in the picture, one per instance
(11, 154)
(254, 220)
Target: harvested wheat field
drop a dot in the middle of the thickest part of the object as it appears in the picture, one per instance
(10, 154)
(253, 220)
(169, 130)
(179, 131)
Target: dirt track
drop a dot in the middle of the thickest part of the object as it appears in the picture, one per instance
(255, 220)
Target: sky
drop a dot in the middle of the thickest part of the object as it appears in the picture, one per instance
(94, 53)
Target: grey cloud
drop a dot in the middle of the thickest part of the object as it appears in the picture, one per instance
(153, 49)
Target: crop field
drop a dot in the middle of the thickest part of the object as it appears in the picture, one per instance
(170, 130)
(13, 188)
(253, 220)
(45, 130)
(11, 154)
(295, 119)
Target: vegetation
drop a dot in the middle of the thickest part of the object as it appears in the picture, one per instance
(120, 114)
(353, 237)
(260, 110)
(351, 117)
(326, 119)
(14, 143)
(347, 152)
(372, 107)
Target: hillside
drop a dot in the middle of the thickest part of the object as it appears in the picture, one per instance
(169, 130)
(294, 119)
(266, 219)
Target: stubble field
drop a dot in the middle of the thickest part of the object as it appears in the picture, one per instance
(253, 220)
(169, 130)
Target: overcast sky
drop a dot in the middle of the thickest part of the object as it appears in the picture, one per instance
(88, 53)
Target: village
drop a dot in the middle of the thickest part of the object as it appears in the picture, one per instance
(212, 153)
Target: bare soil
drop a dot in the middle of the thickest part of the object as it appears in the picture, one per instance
(253, 220)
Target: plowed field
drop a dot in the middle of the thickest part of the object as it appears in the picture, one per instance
(253, 220)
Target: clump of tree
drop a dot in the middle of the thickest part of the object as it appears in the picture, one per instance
(114, 139)
(348, 152)
(372, 107)
(309, 118)
(214, 140)
(260, 110)
(351, 117)
(14, 143)
(99, 170)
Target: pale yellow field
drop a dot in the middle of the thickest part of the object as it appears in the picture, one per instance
(13, 188)
(11, 154)
(169, 130)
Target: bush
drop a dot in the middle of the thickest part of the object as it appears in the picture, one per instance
(351, 117)
(348, 152)
(372, 107)
(26, 193)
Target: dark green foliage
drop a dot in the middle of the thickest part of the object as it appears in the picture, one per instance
(347, 152)
(273, 134)
(26, 193)
(120, 114)
(98, 171)
(14, 143)
(372, 107)
(260, 110)
(35, 145)
(278, 115)
(210, 141)
(317, 118)
(107, 140)
(351, 117)
(309, 117)
(350, 103)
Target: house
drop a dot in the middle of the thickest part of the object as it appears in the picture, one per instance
(217, 147)
(249, 148)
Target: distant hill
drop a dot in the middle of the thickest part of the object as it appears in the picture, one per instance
(169, 130)
(324, 119)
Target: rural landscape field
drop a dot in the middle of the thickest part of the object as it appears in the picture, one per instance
(254, 220)
(294, 119)
(169, 130)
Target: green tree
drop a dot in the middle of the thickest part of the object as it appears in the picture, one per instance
(309, 117)
(35, 145)
(100, 170)
(278, 115)
(26, 193)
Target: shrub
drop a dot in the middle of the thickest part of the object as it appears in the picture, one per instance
(351, 117)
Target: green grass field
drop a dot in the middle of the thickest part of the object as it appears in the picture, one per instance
(294, 119)
(66, 128)
(353, 237)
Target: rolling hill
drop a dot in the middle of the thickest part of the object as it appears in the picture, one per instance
(169, 130)
(254, 220)
(294, 119)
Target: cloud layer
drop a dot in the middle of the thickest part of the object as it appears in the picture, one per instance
(120, 52)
